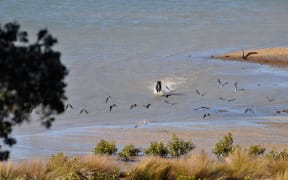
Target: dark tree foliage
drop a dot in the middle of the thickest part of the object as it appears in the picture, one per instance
(31, 76)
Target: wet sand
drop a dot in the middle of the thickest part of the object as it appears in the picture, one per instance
(82, 140)
(272, 56)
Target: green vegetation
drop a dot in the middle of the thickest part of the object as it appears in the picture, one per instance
(281, 155)
(105, 147)
(237, 164)
(157, 149)
(129, 152)
(224, 146)
(256, 150)
(62, 167)
(177, 147)
(31, 77)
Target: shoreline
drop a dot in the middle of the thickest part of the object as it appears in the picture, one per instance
(83, 140)
(271, 56)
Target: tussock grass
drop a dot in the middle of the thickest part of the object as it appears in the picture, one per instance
(237, 165)
(199, 166)
(154, 168)
(241, 164)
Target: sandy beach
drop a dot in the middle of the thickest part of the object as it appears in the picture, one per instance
(272, 56)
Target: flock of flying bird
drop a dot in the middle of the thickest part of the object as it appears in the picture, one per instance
(169, 92)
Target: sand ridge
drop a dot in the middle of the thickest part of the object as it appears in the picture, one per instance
(271, 56)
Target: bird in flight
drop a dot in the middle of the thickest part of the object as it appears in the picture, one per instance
(200, 94)
(133, 105)
(166, 95)
(270, 99)
(228, 100)
(83, 111)
(113, 105)
(146, 106)
(167, 102)
(107, 99)
(206, 115)
(248, 110)
(203, 107)
(68, 106)
(222, 84)
(158, 86)
(236, 87)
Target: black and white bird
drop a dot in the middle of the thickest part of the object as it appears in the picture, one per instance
(68, 106)
(236, 87)
(222, 84)
(113, 105)
(167, 102)
(83, 111)
(146, 106)
(202, 108)
(206, 115)
(200, 94)
(228, 100)
(158, 86)
(107, 99)
(133, 106)
(269, 99)
(248, 110)
(166, 95)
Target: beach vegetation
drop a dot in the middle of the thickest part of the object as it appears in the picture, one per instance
(129, 152)
(177, 147)
(105, 147)
(278, 155)
(224, 146)
(60, 166)
(157, 149)
(237, 164)
(256, 150)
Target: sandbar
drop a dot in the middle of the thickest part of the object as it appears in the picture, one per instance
(271, 56)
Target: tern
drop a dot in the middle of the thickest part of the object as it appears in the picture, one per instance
(146, 106)
(133, 105)
(113, 105)
(167, 102)
(236, 87)
(248, 110)
(206, 115)
(83, 110)
(68, 106)
(107, 99)
(158, 86)
(222, 84)
(200, 94)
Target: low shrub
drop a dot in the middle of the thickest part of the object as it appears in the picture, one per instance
(177, 147)
(105, 147)
(60, 166)
(281, 155)
(224, 146)
(256, 150)
(128, 153)
(157, 149)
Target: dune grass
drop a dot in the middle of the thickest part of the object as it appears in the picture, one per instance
(239, 164)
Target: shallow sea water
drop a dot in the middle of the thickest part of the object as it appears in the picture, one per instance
(121, 48)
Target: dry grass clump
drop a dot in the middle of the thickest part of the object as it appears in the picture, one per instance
(199, 166)
(100, 166)
(240, 164)
(156, 168)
